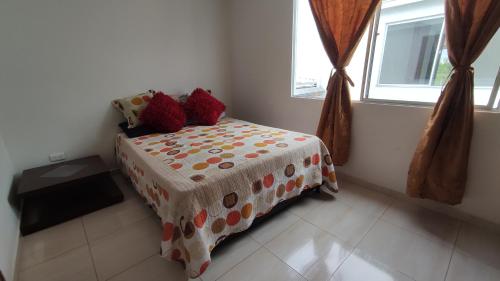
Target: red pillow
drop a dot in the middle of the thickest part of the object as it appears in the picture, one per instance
(202, 108)
(163, 114)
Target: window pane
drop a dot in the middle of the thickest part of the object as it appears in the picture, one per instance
(485, 71)
(312, 66)
(356, 67)
(406, 57)
(486, 66)
(443, 67)
(409, 52)
(410, 59)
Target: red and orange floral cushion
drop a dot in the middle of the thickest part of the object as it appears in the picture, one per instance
(131, 107)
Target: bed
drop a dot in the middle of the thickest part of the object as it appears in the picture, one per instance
(208, 182)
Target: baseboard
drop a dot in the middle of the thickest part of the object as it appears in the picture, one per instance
(425, 203)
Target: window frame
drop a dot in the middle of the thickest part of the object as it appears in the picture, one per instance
(368, 67)
(495, 96)
(400, 22)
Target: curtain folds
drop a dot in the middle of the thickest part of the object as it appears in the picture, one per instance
(438, 170)
(341, 25)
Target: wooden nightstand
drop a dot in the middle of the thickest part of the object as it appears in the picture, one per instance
(60, 192)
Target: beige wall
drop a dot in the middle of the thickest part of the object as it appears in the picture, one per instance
(62, 62)
(384, 136)
(9, 223)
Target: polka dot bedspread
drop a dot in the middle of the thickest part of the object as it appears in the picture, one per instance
(207, 182)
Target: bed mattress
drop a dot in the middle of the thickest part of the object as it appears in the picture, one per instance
(207, 182)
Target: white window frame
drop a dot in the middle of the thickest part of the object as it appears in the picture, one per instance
(495, 96)
(440, 40)
(372, 40)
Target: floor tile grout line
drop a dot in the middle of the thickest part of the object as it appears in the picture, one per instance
(279, 258)
(90, 250)
(75, 247)
(449, 218)
(309, 211)
(105, 236)
(253, 252)
(278, 234)
(373, 225)
(341, 263)
(130, 267)
(454, 249)
(360, 240)
(392, 204)
(306, 221)
(98, 238)
(262, 245)
(335, 235)
(53, 257)
(380, 218)
(394, 199)
(305, 278)
(309, 268)
(449, 244)
(94, 241)
(109, 234)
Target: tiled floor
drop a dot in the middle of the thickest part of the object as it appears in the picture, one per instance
(358, 235)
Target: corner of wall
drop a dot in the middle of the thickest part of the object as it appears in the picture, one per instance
(9, 240)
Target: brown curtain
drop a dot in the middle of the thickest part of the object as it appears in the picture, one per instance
(341, 25)
(438, 170)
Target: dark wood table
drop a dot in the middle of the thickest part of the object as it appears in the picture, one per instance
(60, 192)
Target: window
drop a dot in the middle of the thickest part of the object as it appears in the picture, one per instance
(311, 65)
(407, 59)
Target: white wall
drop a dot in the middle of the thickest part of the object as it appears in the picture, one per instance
(384, 136)
(62, 62)
(9, 223)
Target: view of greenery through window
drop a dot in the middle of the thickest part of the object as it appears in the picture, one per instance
(443, 69)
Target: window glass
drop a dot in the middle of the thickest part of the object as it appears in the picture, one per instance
(312, 67)
(410, 59)
(410, 51)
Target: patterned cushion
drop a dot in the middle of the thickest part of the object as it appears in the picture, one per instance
(131, 107)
